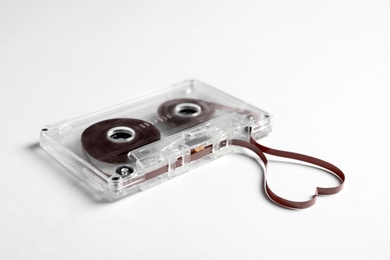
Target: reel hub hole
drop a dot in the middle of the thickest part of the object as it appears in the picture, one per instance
(120, 134)
(188, 109)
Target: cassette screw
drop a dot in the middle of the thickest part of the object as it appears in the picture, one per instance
(124, 170)
(250, 117)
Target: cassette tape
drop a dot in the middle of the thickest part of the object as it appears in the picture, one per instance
(144, 142)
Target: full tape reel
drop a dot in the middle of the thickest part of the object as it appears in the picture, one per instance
(146, 141)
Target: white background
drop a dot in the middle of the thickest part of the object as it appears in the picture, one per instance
(321, 68)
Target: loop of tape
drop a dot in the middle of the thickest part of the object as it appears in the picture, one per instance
(261, 150)
(97, 143)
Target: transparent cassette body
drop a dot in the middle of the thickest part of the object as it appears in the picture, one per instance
(175, 147)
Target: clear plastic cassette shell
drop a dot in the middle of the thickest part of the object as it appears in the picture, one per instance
(143, 142)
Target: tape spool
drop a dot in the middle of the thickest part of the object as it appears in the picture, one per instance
(110, 140)
(186, 112)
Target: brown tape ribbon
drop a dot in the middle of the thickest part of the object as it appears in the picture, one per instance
(95, 142)
(261, 150)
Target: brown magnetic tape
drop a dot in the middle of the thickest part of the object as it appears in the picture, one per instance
(260, 150)
(96, 142)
